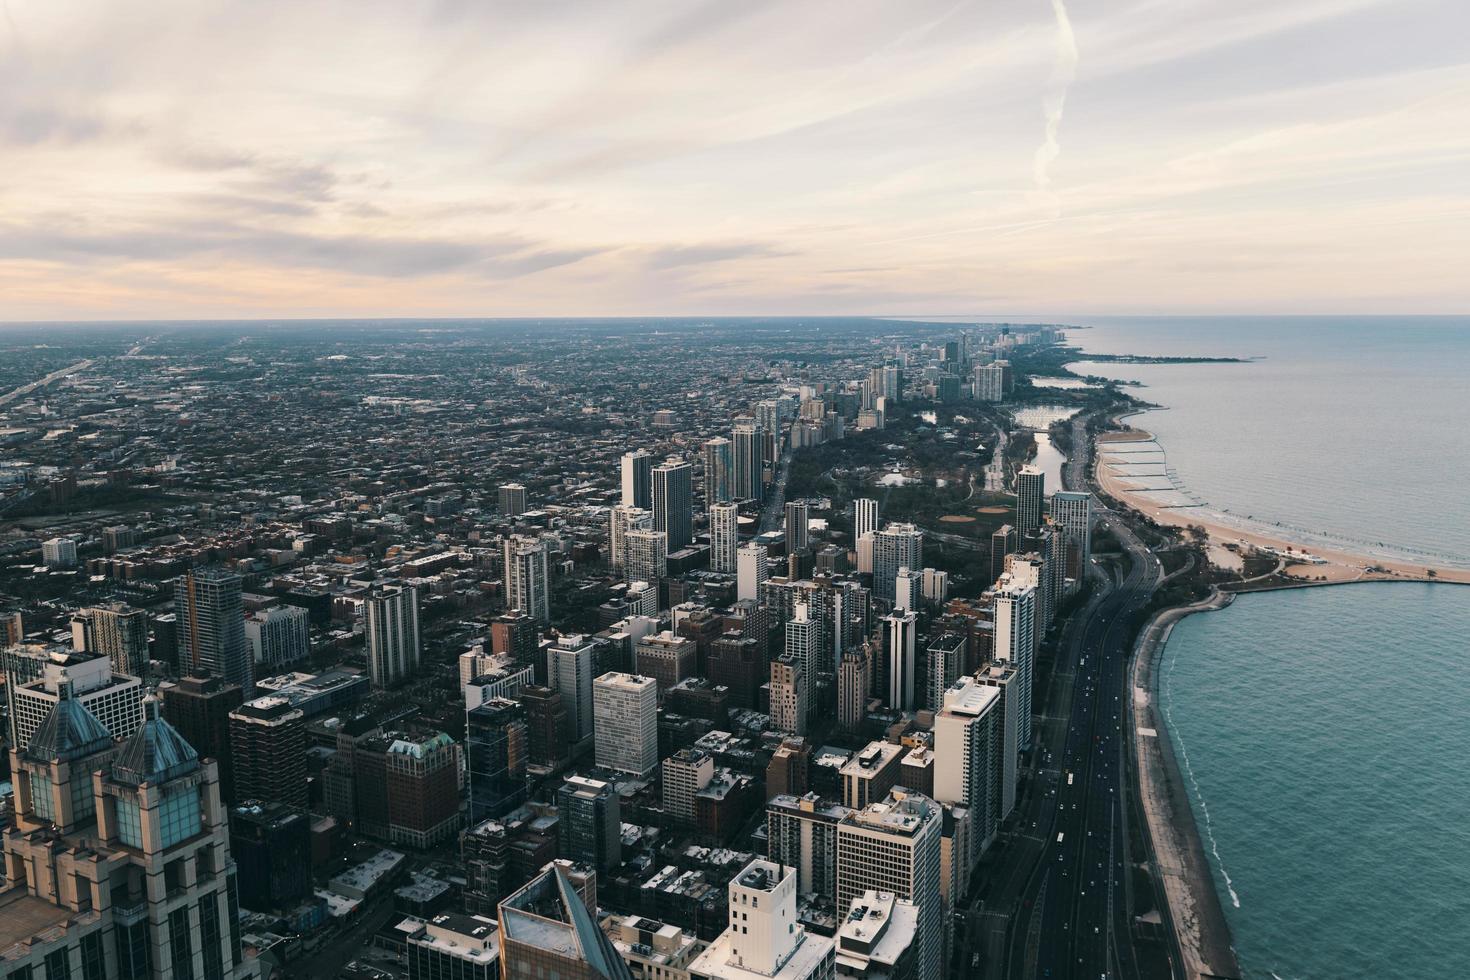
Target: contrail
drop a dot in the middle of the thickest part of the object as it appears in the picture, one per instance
(1063, 71)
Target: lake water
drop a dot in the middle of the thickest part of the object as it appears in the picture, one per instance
(1324, 734)
(1325, 731)
(1349, 427)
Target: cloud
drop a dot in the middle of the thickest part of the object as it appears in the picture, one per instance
(390, 257)
(1064, 71)
(673, 256)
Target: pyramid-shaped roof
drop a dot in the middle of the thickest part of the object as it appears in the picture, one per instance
(155, 753)
(69, 732)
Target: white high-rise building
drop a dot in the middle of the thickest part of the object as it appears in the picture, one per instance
(752, 569)
(647, 556)
(673, 502)
(803, 640)
(864, 517)
(990, 382)
(36, 675)
(894, 846)
(1015, 618)
(864, 548)
(513, 499)
(528, 576)
(719, 463)
(637, 479)
(903, 631)
(724, 536)
(907, 587)
(621, 520)
(936, 585)
(570, 668)
(1072, 509)
(278, 636)
(896, 546)
(1029, 571)
(391, 622)
(59, 553)
(1030, 498)
(967, 752)
(764, 939)
(625, 708)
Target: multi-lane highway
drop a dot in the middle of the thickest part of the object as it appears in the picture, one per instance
(1053, 899)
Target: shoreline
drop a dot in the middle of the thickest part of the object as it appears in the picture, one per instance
(1332, 565)
(1195, 915)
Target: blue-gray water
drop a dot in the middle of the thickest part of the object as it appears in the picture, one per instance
(1324, 734)
(1354, 426)
(1325, 730)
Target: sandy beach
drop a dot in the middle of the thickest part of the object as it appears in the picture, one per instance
(1335, 564)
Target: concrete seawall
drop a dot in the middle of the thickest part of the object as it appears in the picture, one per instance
(1195, 914)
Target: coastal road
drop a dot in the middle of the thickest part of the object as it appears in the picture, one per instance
(1055, 900)
(1077, 920)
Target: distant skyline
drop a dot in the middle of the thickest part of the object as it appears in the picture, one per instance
(361, 158)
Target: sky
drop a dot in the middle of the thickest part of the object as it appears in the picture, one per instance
(274, 158)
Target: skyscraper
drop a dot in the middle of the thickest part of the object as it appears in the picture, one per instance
(796, 526)
(36, 676)
(199, 708)
(495, 745)
(864, 517)
(902, 636)
(647, 557)
(752, 569)
(547, 930)
(1015, 619)
(391, 621)
(748, 438)
(946, 658)
(803, 641)
(621, 520)
(894, 846)
(626, 709)
(512, 499)
(1072, 509)
(788, 695)
(802, 832)
(1002, 677)
(211, 618)
(719, 465)
(724, 536)
(528, 576)
(116, 631)
(907, 589)
(1030, 497)
(637, 476)
(124, 821)
(589, 824)
(896, 546)
(967, 752)
(1002, 543)
(278, 636)
(571, 664)
(268, 749)
(673, 502)
(852, 689)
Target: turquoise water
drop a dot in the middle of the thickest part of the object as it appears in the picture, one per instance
(1325, 734)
